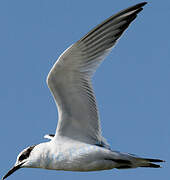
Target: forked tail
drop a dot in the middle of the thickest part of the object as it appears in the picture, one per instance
(149, 162)
(134, 162)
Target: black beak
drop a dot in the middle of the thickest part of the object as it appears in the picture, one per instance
(16, 167)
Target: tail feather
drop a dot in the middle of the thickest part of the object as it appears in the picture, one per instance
(151, 165)
(134, 162)
(147, 162)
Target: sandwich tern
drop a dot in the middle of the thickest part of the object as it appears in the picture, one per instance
(78, 144)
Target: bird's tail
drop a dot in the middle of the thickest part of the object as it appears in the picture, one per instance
(147, 162)
(134, 162)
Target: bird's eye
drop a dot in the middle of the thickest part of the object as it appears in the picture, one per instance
(26, 153)
(22, 157)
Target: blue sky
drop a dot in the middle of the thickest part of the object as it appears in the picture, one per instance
(132, 85)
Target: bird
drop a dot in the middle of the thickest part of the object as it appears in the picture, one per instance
(78, 144)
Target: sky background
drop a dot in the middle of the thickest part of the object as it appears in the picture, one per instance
(132, 85)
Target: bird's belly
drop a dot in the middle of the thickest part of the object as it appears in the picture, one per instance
(86, 158)
(96, 165)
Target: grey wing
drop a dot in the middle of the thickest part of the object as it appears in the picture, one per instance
(70, 78)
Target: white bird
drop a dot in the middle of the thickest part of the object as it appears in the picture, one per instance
(78, 144)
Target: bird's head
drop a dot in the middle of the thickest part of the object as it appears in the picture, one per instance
(23, 160)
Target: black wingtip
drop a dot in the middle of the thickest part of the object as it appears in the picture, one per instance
(155, 160)
(142, 4)
(138, 6)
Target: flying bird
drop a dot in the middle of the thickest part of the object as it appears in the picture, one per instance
(78, 144)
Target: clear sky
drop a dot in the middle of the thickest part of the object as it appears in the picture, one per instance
(132, 85)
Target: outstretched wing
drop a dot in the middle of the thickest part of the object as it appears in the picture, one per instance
(70, 78)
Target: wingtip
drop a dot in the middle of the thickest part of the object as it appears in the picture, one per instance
(155, 160)
(140, 5)
(143, 3)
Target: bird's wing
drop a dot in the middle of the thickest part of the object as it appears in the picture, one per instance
(70, 78)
